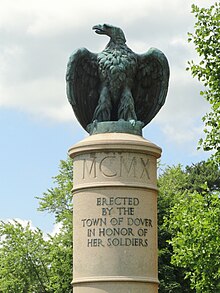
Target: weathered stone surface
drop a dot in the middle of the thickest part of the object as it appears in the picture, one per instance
(115, 214)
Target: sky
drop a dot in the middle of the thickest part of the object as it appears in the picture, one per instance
(37, 124)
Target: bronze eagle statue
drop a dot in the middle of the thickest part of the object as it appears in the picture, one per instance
(116, 83)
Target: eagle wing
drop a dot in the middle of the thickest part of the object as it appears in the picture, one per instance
(151, 84)
(82, 81)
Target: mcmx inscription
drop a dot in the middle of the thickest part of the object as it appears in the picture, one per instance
(116, 165)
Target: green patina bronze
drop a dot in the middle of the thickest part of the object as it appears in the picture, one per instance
(120, 126)
(116, 85)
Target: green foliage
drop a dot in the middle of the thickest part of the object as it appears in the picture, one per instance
(24, 259)
(61, 254)
(31, 263)
(171, 182)
(206, 39)
(174, 183)
(194, 223)
(58, 200)
(201, 175)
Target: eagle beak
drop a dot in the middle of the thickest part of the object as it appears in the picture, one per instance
(99, 29)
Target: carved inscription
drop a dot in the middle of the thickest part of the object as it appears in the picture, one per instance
(116, 165)
(118, 223)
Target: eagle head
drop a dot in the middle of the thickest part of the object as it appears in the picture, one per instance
(115, 33)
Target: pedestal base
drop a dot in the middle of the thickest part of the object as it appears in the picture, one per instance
(115, 214)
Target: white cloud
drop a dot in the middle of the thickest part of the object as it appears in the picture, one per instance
(56, 230)
(180, 118)
(48, 101)
(182, 134)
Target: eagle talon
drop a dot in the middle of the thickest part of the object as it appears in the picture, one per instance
(95, 122)
(133, 122)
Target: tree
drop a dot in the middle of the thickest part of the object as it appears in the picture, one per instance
(206, 39)
(24, 265)
(174, 183)
(61, 251)
(202, 173)
(29, 261)
(194, 223)
(58, 201)
(171, 182)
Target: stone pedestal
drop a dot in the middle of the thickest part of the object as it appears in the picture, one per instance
(115, 214)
